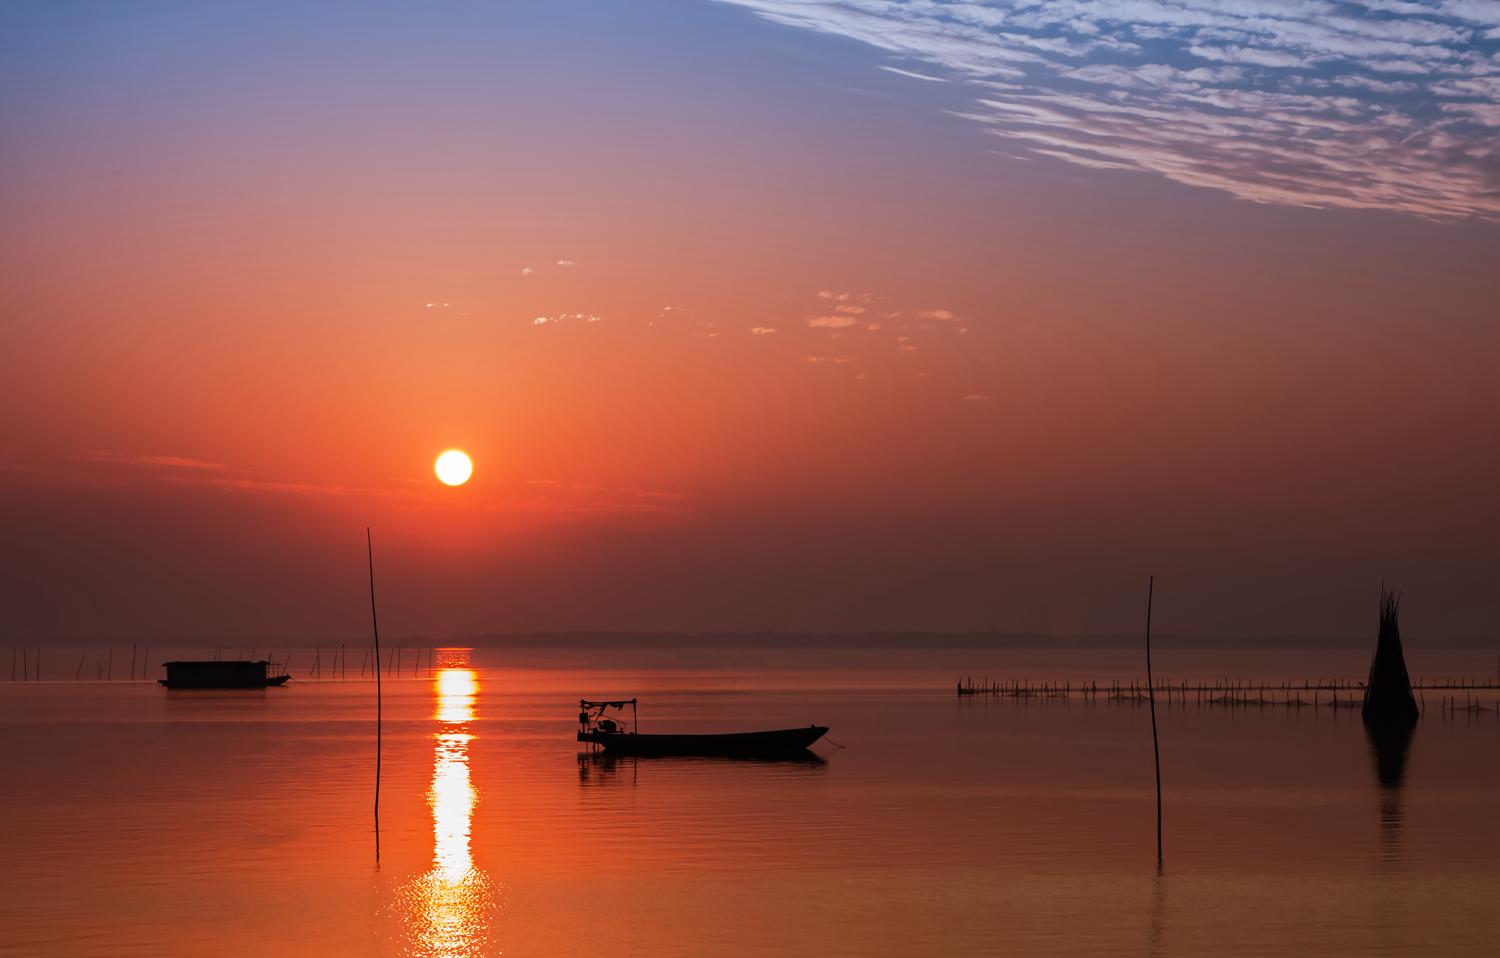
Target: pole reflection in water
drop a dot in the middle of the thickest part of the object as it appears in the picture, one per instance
(449, 906)
(1390, 745)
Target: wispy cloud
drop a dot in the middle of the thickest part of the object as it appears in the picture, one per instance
(1380, 104)
(913, 74)
(146, 459)
(98, 468)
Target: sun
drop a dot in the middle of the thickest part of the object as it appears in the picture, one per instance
(453, 467)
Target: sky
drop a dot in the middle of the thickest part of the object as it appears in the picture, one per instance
(754, 316)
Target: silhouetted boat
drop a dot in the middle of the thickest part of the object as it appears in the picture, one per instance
(220, 675)
(615, 738)
(778, 742)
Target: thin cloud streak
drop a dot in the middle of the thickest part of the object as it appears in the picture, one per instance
(145, 459)
(108, 469)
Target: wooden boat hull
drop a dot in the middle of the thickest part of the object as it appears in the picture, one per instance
(779, 742)
(268, 682)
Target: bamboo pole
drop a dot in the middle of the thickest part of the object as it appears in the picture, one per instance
(379, 723)
(1151, 687)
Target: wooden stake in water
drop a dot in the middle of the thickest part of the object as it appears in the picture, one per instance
(375, 628)
(1151, 696)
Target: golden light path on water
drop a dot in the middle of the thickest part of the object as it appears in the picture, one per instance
(452, 796)
(451, 902)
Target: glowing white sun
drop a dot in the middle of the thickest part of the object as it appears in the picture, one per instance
(453, 467)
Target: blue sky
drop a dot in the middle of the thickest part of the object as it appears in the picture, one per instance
(1384, 104)
(913, 315)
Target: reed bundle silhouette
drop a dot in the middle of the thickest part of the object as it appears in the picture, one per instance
(1388, 696)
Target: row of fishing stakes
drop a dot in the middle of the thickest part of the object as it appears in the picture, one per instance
(1230, 692)
(26, 663)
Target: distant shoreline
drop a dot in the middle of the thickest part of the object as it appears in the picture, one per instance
(777, 640)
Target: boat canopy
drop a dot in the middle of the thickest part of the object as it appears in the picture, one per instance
(591, 716)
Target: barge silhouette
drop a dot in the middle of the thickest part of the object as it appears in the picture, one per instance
(221, 675)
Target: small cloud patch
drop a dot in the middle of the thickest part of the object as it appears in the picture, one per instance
(567, 317)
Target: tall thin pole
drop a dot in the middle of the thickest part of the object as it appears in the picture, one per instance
(375, 628)
(1151, 696)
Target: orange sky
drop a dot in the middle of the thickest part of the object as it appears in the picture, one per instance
(741, 331)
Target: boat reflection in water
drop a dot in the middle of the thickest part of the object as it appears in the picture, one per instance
(449, 907)
(602, 768)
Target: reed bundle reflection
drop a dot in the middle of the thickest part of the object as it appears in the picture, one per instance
(450, 904)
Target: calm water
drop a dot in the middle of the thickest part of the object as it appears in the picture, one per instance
(136, 821)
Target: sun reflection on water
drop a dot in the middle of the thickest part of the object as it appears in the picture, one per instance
(452, 901)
